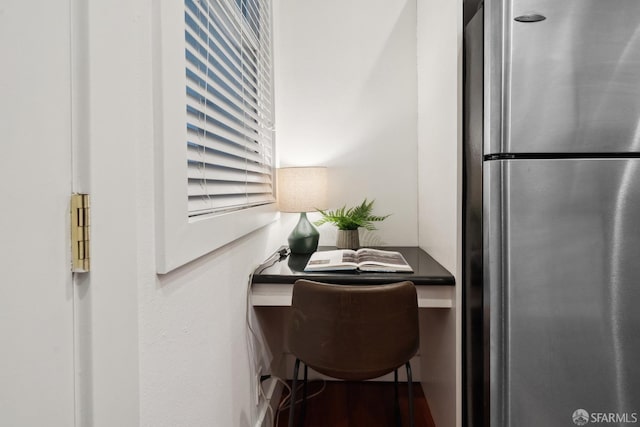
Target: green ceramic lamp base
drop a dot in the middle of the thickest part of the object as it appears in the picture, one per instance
(304, 238)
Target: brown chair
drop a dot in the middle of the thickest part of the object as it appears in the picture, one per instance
(353, 332)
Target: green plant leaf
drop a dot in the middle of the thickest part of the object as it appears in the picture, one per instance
(351, 218)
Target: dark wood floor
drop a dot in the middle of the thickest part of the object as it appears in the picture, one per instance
(360, 404)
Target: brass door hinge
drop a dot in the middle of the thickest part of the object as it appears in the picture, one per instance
(80, 233)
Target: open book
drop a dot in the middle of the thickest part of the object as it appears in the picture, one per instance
(362, 259)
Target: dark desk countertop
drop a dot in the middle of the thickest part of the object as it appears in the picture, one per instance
(427, 271)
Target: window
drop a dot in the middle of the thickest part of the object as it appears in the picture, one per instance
(229, 105)
(214, 115)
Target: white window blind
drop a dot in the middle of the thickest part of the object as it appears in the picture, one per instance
(229, 88)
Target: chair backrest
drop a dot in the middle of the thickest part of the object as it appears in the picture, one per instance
(354, 332)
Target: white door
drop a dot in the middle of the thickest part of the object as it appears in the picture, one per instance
(36, 293)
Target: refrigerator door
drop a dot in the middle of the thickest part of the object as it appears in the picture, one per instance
(571, 82)
(563, 274)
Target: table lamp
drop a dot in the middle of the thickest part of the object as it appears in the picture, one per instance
(302, 189)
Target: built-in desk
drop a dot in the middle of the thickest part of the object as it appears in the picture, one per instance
(436, 364)
(272, 282)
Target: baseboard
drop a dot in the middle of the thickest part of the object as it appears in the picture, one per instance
(269, 406)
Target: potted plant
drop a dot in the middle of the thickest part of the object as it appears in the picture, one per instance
(349, 220)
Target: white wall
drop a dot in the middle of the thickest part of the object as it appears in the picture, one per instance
(346, 98)
(195, 365)
(439, 127)
(152, 350)
(439, 190)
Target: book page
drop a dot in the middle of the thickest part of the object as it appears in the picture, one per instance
(374, 257)
(349, 256)
(380, 257)
(332, 260)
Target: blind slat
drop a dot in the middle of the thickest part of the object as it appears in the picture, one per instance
(219, 93)
(200, 171)
(229, 93)
(199, 205)
(213, 157)
(204, 110)
(253, 103)
(225, 51)
(222, 188)
(236, 147)
(211, 68)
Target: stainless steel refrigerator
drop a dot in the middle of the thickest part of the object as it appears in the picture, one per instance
(552, 214)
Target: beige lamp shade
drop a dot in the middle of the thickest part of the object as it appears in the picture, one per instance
(302, 189)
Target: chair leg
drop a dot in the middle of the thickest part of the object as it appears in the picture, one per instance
(410, 385)
(396, 406)
(292, 402)
(304, 396)
(395, 384)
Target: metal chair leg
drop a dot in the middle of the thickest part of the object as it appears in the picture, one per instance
(396, 406)
(304, 396)
(410, 385)
(292, 402)
(395, 384)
